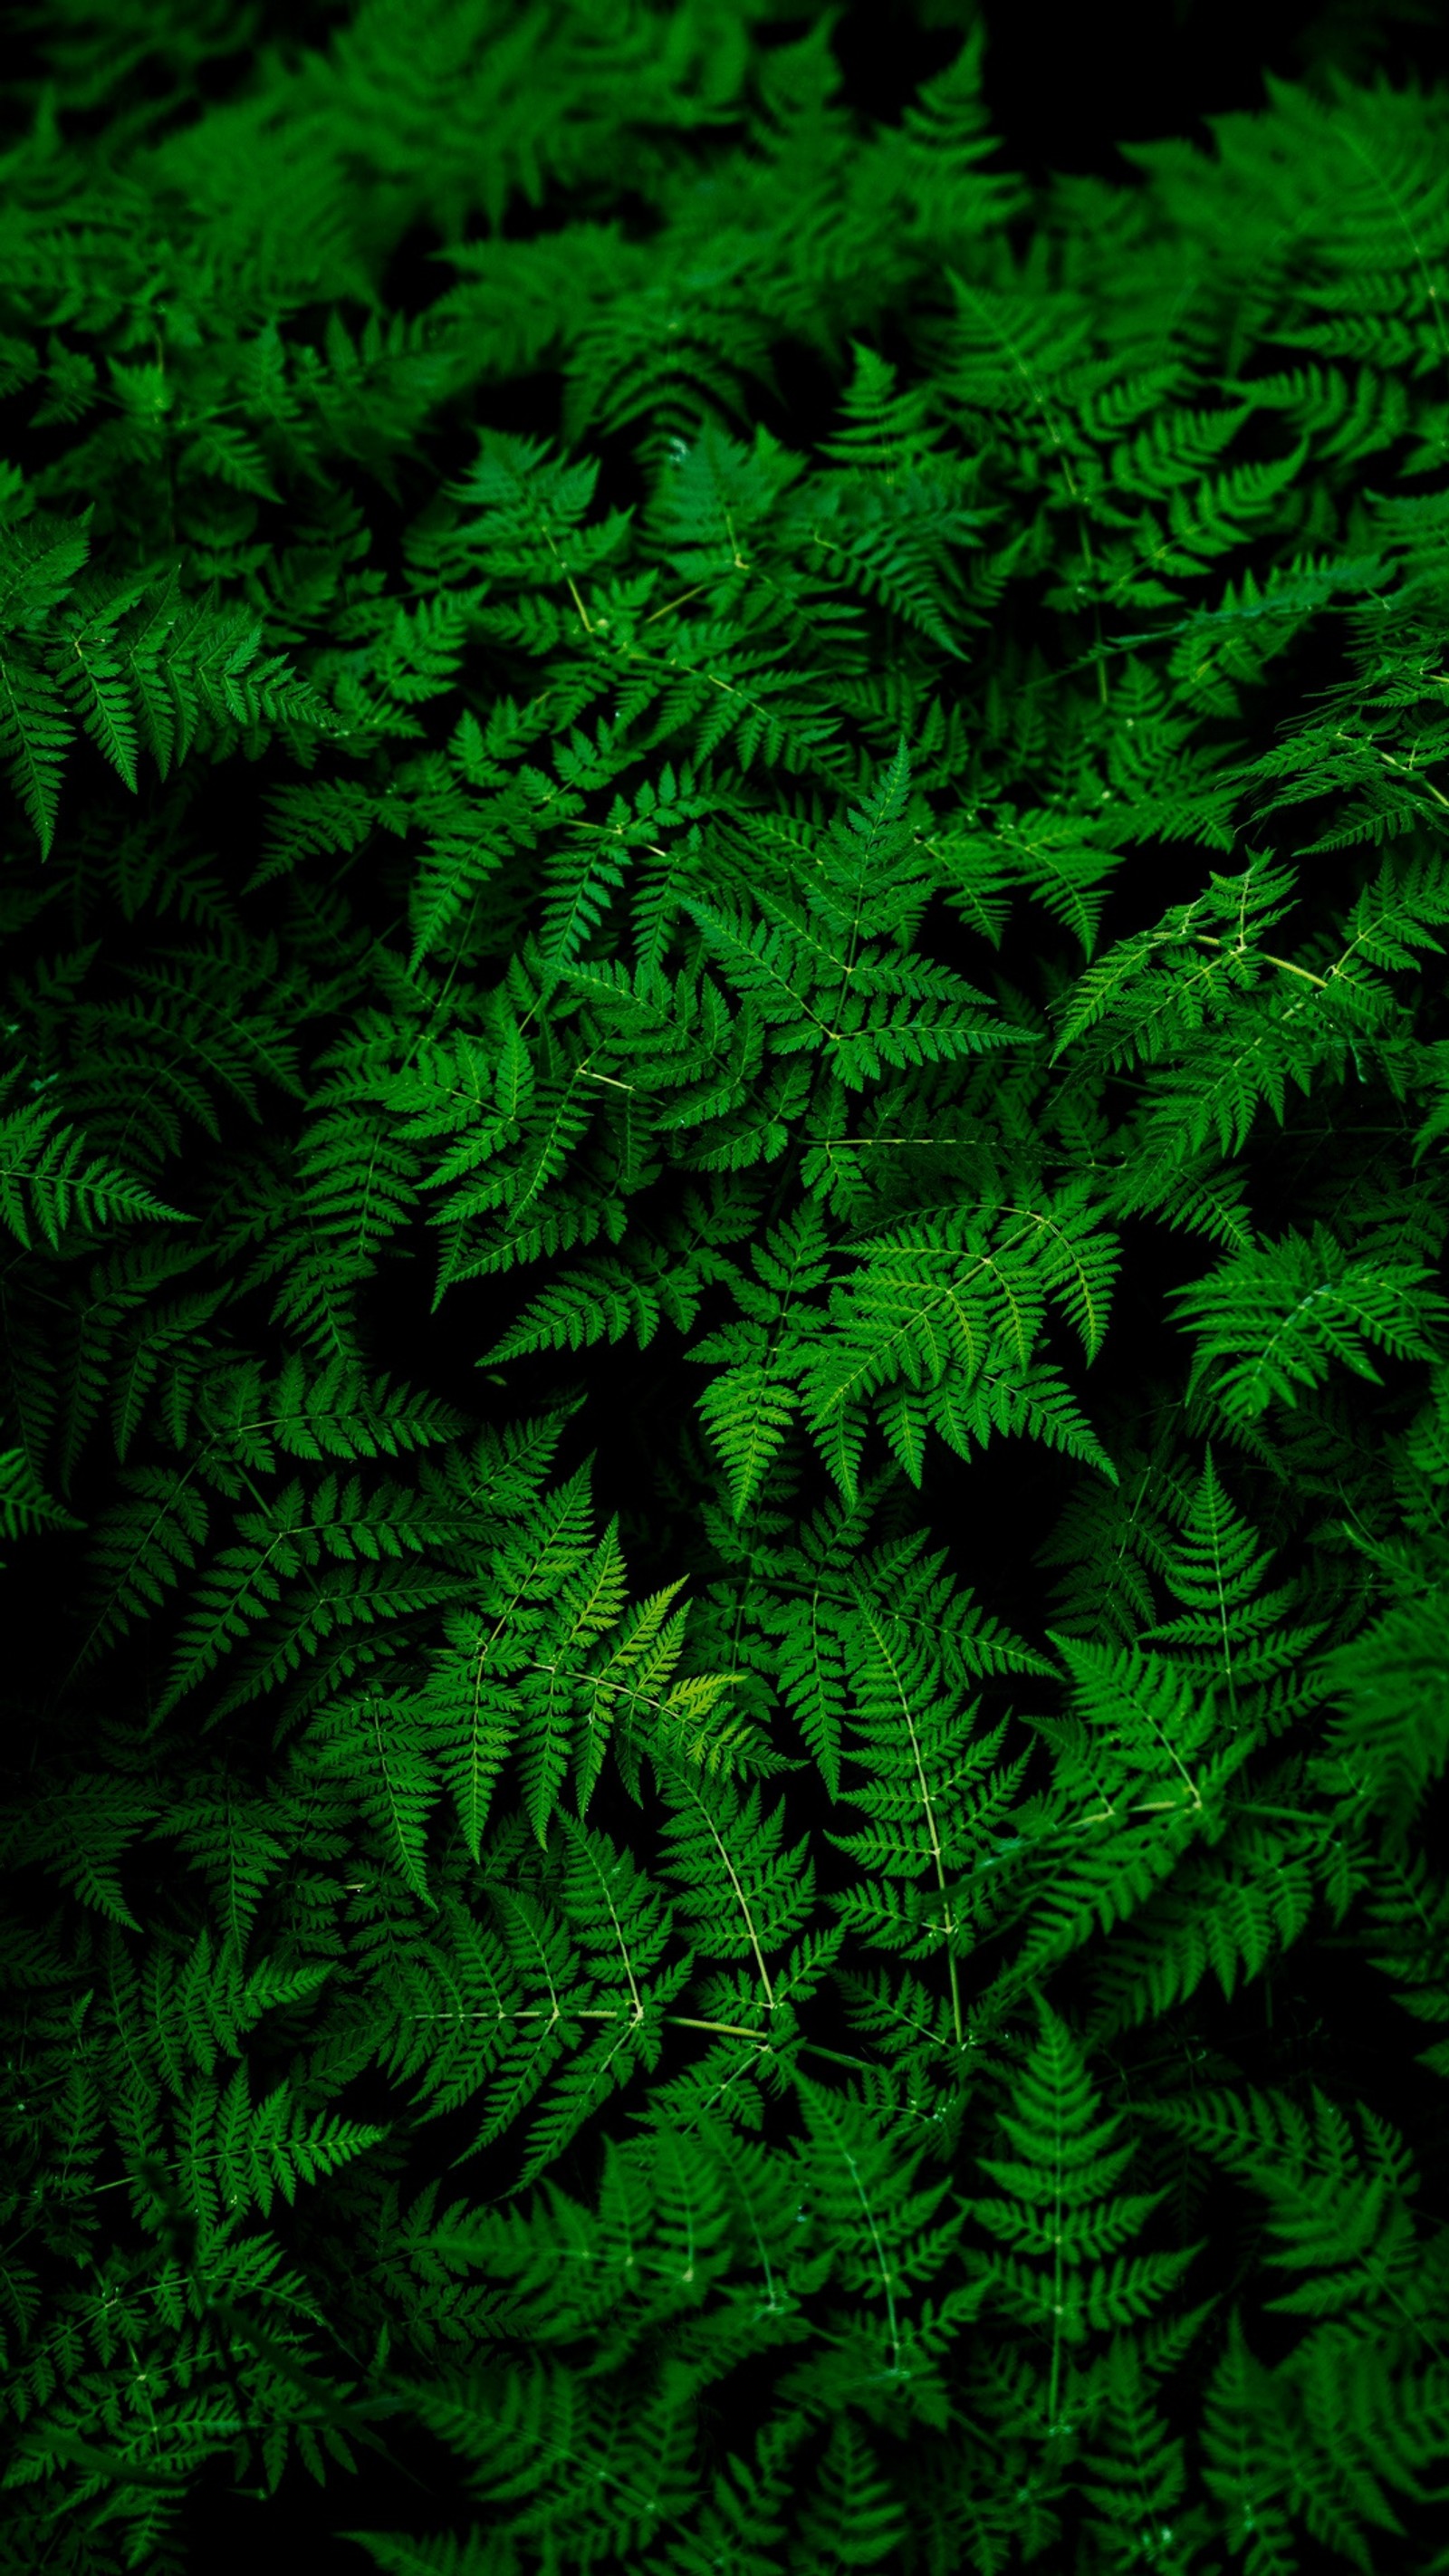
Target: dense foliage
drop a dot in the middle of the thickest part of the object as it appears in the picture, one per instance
(725, 1374)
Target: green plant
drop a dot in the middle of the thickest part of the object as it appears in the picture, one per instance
(833, 929)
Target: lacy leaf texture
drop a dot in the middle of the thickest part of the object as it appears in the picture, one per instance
(724, 1090)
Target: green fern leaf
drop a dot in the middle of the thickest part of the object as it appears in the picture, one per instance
(1277, 1317)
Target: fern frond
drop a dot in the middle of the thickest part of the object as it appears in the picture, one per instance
(1062, 2214)
(1279, 1315)
(45, 1180)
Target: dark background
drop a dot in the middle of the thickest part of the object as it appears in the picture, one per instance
(1066, 80)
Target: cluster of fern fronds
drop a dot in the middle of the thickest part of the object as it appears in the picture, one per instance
(755, 1884)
